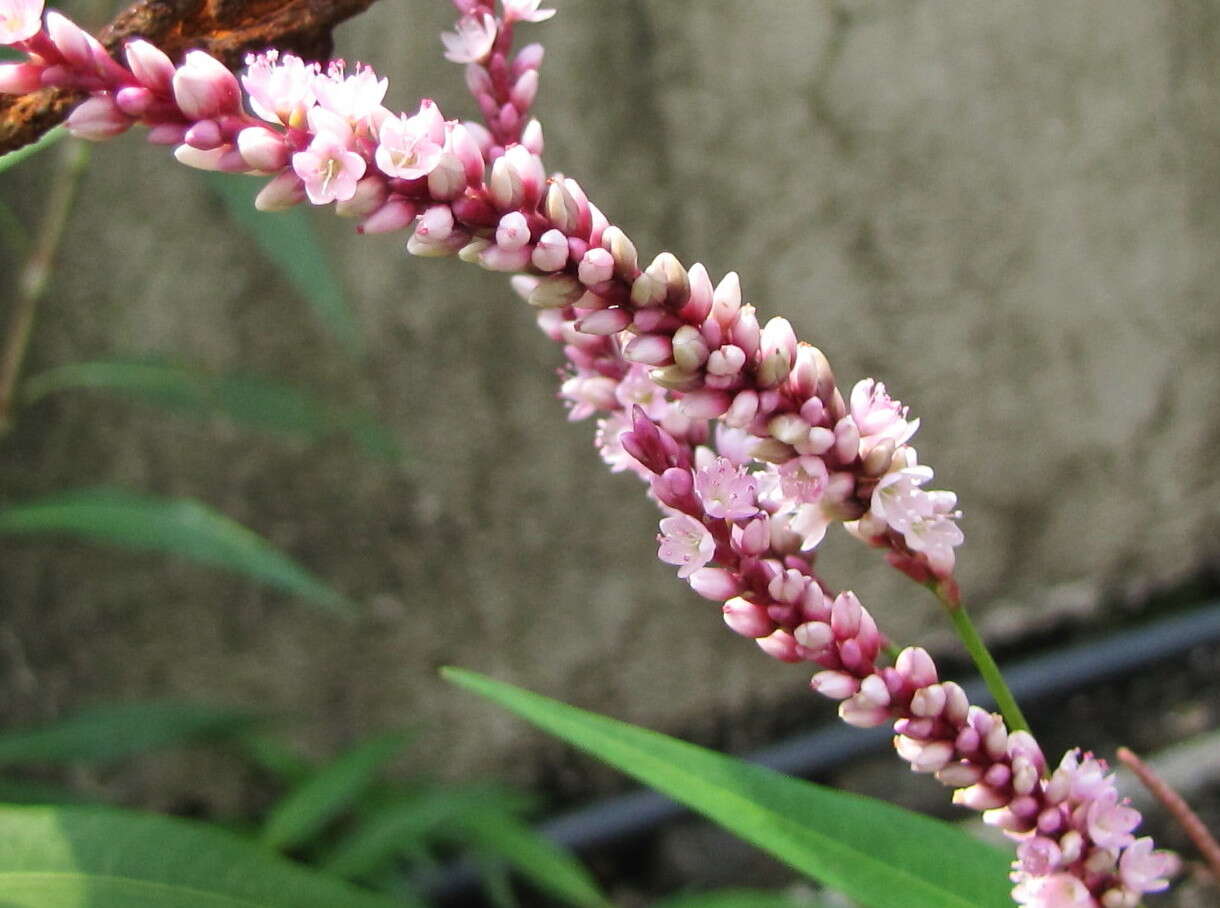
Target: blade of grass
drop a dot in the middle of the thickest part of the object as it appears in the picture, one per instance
(318, 800)
(246, 400)
(89, 857)
(174, 526)
(881, 855)
(288, 240)
(13, 158)
(107, 734)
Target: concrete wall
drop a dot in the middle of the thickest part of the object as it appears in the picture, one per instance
(1006, 211)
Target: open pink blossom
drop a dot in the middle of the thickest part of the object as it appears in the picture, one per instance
(878, 416)
(411, 147)
(727, 491)
(1059, 890)
(328, 167)
(685, 542)
(1145, 870)
(525, 11)
(281, 88)
(354, 96)
(473, 40)
(21, 20)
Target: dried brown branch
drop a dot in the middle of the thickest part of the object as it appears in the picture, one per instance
(227, 29)
(1178, 809)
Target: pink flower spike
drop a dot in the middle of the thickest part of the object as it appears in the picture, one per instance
(1145, 870)
(525, 11)
(727, 491)
(98, 119)
(20, 20)
(20, 78)
(150, 65)
(473, 40)
(203, 88)
(411, 147)
(685, 542)
(329, 170)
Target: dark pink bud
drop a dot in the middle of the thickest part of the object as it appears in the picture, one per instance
(716, 584)
(203, 88)
(150, 66)
(205, 135)
(98, 118)
(747, 618)
(780, 645)
(396, 214)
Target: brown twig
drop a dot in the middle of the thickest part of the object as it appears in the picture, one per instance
(1178, 808)
(227, 29)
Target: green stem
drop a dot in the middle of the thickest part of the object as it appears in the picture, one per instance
(35, 275)
(987, 667)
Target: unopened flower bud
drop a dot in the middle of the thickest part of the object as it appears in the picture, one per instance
(20, 78)
(716, 584)
(690, 350)
(605, 321)
(649, 350)
(395, 214)
(747, 618)
(203, 88)
(557, 290)
(705, 403)
(596, 267)
(551, 251)
(99, 118)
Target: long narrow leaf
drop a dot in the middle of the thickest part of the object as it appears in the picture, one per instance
(250, 401)
(86, 857)
(398, 827)
(13, 158)
(305, 811)
(881, 855)
(740, 898)
(288, 240)
(535, 857)
(106, 734)
(175, 526)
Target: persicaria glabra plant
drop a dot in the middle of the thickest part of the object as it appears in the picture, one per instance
(740, 431)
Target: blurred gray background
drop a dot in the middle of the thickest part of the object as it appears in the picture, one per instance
(1007, 212)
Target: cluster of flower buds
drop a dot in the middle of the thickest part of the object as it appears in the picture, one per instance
(740, 430)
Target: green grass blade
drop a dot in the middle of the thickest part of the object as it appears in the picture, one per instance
(32, 791)
(88, 857)
(313, 804)
(175, 526)
(740, 898)
(288, 240)
(245, 400)
(533, 856)
(13, 158)
(107, 734)
(401, 826)
(879, 854)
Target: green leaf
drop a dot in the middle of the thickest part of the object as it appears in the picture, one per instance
(739, 898)
(879, 854)
(89, 857)
(106, 734)
(401, 826)
(534, 856)
(305, 811)
(288, 240)
(13, 158)
(175, 526)
(244, 399)
(30, 791)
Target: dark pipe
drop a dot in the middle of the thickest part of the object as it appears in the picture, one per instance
(817, 751)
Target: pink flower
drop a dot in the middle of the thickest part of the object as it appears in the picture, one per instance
(329, 169)
(411, 147)
(1110, 823)
(877, 415)
(473, 40)
(1145, 870)
(803, 479)
(685, 542)
(354, 97)
(727, 491)
(281, 89)
(21, 20)
(525, 11)
(1059, 890)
